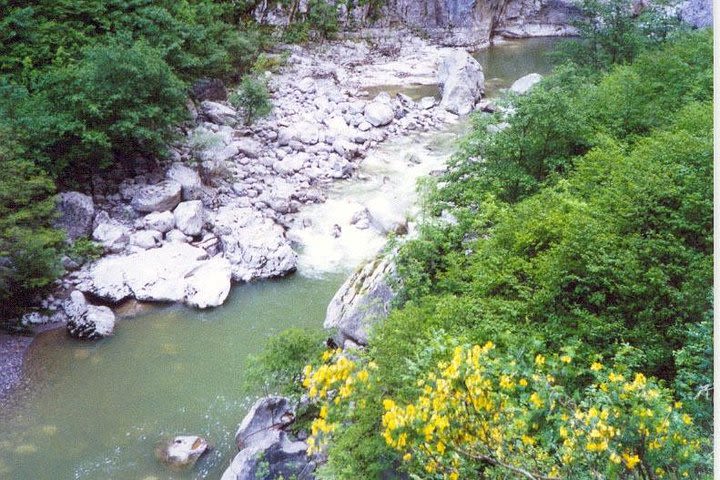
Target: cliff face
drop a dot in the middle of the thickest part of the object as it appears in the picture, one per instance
(474, 22)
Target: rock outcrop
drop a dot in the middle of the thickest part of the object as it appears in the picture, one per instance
(255, 246)
(362, 300)
(77, 212)
(462, 82)
(267, 451)
(175, 272)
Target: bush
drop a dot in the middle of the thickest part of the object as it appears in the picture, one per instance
(252, 98)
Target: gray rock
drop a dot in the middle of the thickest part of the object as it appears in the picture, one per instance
(95, 322)
(158, 275)
(306, 85)
(697, 13)
(77, 211)
(157, 198)
(262, 440)
(208, 285)
(462, 82)
(255, 246)
(426, 103)
(291, 163)
(188, 178)
(146, 239)
(160, 221)
(112, 235)
(362, 300)
(249, 147)
(218, 113)
(209, 89)
(378, 114)
(181, 452)
(190, 217)
(523, 84)
(177, 236)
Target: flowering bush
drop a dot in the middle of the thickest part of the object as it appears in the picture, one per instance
(483, 412)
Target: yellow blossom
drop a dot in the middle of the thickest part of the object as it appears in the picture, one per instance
(630, 460)
(596, 366)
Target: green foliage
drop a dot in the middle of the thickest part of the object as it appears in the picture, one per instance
(252, 98)
(84, 250)
(29, 247)
(278, 368)
(616, 31)
(583, 229)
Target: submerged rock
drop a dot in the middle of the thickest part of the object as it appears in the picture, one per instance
(266, 450)
(362, 300)
(181, 452)
(462, 81)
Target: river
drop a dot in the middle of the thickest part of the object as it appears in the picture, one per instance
(96, 410)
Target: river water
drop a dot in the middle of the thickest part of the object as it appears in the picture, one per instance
(96, 410)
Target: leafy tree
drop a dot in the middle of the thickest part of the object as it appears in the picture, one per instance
(252, 98)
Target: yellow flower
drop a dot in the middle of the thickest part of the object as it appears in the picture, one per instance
(523, 382)
(454, 476)
(630, 460)
(687, 420)
(536, 400)
(539, 360)
(615, 458)
(596, 366)
(440, 447)
(407, 457)
(363, 375)
(527, 440)
(566, 359)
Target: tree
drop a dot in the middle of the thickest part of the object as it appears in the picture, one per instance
(252, 98)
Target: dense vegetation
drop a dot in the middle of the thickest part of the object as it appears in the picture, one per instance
(561, 328)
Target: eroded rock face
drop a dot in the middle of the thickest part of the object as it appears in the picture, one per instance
(255, 246)
(266, 450)
(158, 198)
(462, 80)
(362, 300)
(175, 272)
(181, 452)
(77, 212)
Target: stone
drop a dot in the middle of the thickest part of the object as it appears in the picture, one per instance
(212, 89)
(112, 235)
(157, 275)
(249, 147)
(462, 81)
(306, 85)
(76, 305)
(219, 113)
(378, 114)
(188, 178)
(291, 163)
(426, 103)
(523, 84)
(255, 246)
(265, 445)
(157, 198)
(181, 452)
(160, 221)
(362, 300)
(93, 323)
(77, 212)
(697, 13)
(384, 218)
(364, 126)
(146, 239)
(208, 285)
(190, 217)
(177, 236)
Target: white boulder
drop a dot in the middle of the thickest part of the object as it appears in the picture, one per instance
(523, 84)
(190, 217)
(462, 82)
(157, 198)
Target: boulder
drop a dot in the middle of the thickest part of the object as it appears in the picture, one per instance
(112, 235)
(306, 85)
(385, 217)
(190, 217)
(362, 300)
(146, 239)
(93, 323)
(77, 211)
(181, 452)
(255, 246)
(188, 178)
(218, 113)
(177, 236)
(462, 81)
(291, 163)
(378, 114)
(523, 84)
(157, 198)
(160, 221)
(212, 89)
(697, 13)
(170, 273)
(266, 450)
(426, 103)
(249, 147)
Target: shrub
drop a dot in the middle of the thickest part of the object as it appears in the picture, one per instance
(252, 98)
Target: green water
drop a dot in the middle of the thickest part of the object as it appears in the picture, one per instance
(96, 410)
(99, 408)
